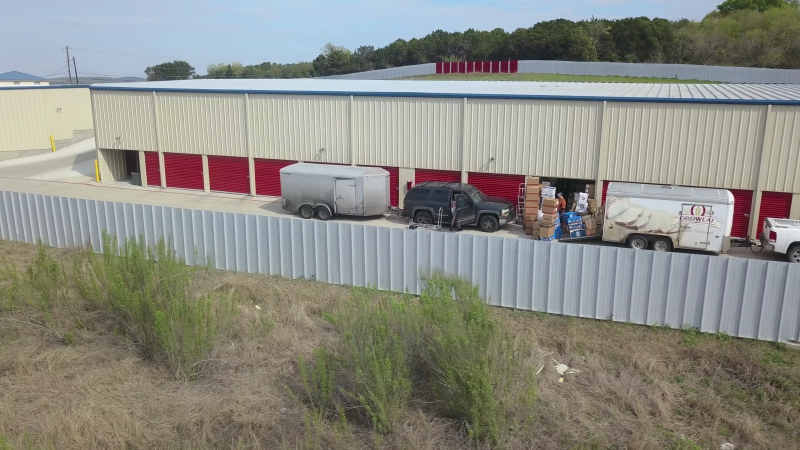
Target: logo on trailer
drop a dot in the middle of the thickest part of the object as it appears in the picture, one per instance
(697, 210)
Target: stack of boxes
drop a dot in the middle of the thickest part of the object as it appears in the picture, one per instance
(590, 225)
(549, 229)
(531, 213)
(572, 225)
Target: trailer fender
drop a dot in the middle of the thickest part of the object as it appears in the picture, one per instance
(326, 207)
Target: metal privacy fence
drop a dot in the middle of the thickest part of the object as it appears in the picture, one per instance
(744, 298)
(720, 74)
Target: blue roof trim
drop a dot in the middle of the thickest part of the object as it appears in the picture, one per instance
(57, 86)
(453, 95)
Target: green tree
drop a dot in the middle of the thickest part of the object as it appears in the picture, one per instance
(559, 39)
(334, 60)
(175, 70)
(729, 6)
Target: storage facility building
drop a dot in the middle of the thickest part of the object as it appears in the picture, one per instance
(235, 135)
(31, 115)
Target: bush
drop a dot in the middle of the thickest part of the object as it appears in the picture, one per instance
(446, 349)
(150, 291)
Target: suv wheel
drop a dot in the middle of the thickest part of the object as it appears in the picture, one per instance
(423, 217)
(793, 255)
(488, 224)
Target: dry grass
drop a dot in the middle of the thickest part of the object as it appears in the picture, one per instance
(638, 387)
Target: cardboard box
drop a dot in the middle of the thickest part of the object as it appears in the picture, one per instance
(546, 231)
(548, 192)
(549, 209)
(529, 180)
(549, 219)
(577, 233)
(550, 202)
(545, 183)
(589, 222)
(591, 231)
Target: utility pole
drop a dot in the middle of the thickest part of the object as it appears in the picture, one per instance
(76, 71)
(69, 71)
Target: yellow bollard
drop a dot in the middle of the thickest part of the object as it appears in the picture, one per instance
(96, 171)
(52, 143)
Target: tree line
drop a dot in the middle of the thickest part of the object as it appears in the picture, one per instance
(745, 33)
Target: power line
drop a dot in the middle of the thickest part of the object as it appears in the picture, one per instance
(31, 53)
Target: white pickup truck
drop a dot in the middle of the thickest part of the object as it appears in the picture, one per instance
(782, 236)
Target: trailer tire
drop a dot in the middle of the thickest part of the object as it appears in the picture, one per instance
(661, 245)
(637, 242)
(323, 213)
(793, 254)
(423, 217)
(306, 212)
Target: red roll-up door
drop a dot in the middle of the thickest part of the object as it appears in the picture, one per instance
(394, 183)
(153, 169)
(268, 176)
(229, 174)
(421, 175)
(742, 203)
(183, 171)
(498, 185)
(776, 205)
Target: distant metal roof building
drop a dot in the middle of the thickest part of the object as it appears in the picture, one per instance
(19, 76)
(627, 92)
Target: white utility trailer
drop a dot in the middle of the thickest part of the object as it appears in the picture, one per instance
(667, 217)
(329, 189)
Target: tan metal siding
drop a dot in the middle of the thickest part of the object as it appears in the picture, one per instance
(112, 165)
(782, 150)
(23, 124)
(408, 132)
(688, 144)
(127, 116)
(549, 138)
(67, 110)
(211, 124)
(298, 127)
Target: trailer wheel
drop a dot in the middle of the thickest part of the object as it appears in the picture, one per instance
(662, 245)
(793, 255)
(306, 212)
(423, 217)
(638, 243)
(323, 213)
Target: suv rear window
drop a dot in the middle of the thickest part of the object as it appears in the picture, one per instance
(417, 194)
(440, 196)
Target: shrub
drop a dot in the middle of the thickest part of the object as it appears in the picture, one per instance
(150, 291)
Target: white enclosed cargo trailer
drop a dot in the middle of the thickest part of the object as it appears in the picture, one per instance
(667, 217)
(328, 189)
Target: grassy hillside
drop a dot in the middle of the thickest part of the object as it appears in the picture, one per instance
(210, 359)
(549, 77)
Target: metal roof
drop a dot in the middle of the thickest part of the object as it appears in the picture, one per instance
(657, 191)
(19, 76)
(629, 92)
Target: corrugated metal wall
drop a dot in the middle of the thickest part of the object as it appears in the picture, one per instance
(112, 167)
(29, 116)
(125, 115)
(679, 71)
(408, 132)
(298, 127)
(782, 150)
(198, 123)
(696, 145)
(388, 74)
(743, 298)
(549, 138)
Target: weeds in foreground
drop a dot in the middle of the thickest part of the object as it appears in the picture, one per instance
(445, 350)
(150, 291)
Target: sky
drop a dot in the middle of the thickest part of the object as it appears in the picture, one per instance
(122, 38)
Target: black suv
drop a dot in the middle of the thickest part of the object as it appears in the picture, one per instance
(427, 200)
